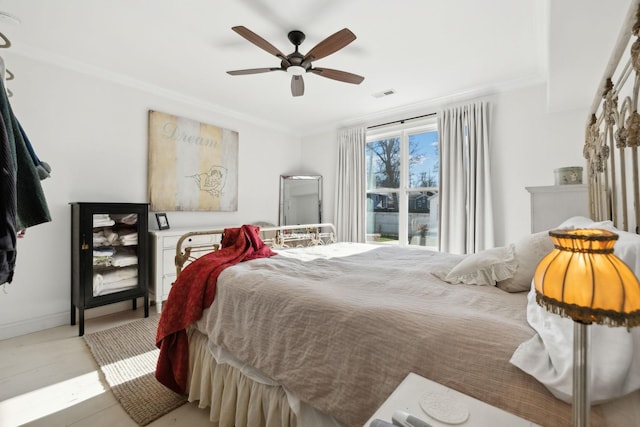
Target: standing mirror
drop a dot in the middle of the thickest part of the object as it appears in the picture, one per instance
(300, 199)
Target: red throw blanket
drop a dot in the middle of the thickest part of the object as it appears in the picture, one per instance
(192, 292)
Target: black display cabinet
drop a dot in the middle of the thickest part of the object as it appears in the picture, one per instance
(109, 261)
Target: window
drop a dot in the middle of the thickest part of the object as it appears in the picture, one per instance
(402, 185)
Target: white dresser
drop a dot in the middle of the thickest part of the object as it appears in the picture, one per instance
(162, 244)
(551, 205)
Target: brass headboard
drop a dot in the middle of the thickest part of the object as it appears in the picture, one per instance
(613, 133)
(194, 244)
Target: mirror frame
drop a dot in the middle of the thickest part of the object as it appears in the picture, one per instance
(286, 178)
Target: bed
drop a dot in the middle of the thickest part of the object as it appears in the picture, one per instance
(300, 330)
(321, 333)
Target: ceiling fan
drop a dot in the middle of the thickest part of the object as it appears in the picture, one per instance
(298, 64)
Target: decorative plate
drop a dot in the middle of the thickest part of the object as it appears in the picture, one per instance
(444, 406)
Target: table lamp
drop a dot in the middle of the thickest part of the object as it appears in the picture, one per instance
(582, 279)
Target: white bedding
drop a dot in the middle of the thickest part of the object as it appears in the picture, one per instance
(330, 328)
(614, 359)
(326, 323)
(615, 352)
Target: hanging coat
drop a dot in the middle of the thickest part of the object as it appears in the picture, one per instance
(30, 206)
(7, 208)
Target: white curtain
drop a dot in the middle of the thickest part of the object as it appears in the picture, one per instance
(466, 213)
(350, 210)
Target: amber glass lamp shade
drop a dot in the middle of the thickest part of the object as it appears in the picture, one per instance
(581, 278)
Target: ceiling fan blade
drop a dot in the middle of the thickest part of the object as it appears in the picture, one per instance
(252, 71)
(260, 42)
(331, 44)
(341, 76)
(297, 86)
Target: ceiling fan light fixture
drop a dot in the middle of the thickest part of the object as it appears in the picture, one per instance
(296, 70)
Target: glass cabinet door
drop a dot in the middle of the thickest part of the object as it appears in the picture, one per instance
(115, 253)
(108, 256)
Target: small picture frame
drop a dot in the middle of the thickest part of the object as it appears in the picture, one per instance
(163, 222)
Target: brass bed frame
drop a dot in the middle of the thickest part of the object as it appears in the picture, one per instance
(613, 133)
(190, 246)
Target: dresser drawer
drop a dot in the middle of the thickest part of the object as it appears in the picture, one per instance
(168, 262)
(172, 241)
(167, 282)
(202, 240)
(551, 205)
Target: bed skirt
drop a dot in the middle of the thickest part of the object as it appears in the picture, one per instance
(236, 400)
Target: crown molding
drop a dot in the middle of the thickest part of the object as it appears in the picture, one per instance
(70, 64)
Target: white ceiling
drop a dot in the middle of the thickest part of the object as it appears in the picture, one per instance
(427, 51)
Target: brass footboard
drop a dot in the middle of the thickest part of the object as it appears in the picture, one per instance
(194, 244)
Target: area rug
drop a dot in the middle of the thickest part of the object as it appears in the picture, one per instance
(127, 357)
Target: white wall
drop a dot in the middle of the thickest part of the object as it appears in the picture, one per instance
(528, 143)
(320, 157)
(93, 132)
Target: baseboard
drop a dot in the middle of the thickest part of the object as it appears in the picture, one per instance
(23, 327)
(28, 326)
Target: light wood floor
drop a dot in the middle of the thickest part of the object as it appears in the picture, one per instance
(49, 378)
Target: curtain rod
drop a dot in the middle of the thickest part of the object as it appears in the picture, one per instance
(402, 120)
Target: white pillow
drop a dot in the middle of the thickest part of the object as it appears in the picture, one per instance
(576, 222)
(485, 267)
(529, 251)
(627, 247)
(445, 264)
(584, 222)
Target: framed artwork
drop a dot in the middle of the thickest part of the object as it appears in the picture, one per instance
(192, 166)
(163, 222)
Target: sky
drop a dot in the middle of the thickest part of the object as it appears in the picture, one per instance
(426, 144)
(424, 158)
